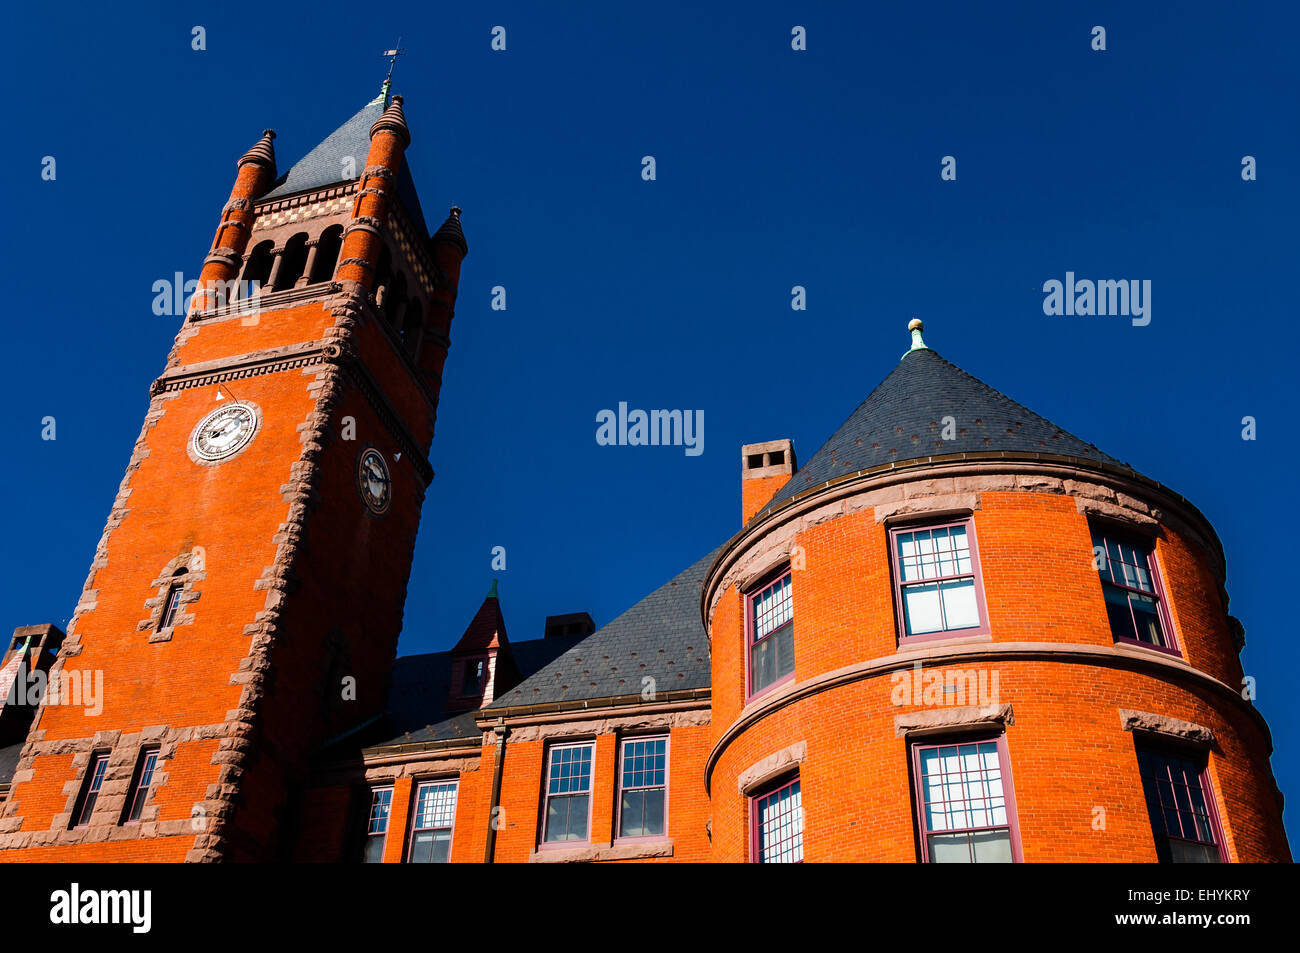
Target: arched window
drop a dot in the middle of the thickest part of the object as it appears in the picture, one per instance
(383, 276)
(293, 262)
(395, 302)
(327, 254)
(173, 603)
(257, 268)
(412, 325)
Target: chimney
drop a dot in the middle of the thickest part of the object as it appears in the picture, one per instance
(575, 623)
(764, 469)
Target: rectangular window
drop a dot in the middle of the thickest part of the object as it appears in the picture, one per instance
(1131, 585)
(381, 805)
(776, 822)
(1181, 808)
(643, 788)
(85, 805)
(141, 784)
(965, 809)
(568, 794)
(937, 580)
(770, 622)
(435, 816)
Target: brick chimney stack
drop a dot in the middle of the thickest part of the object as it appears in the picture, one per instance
(764, 469)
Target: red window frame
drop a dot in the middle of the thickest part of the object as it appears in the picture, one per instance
(382, 819)
(790, 846)
(772, 579)
(1004, 775)
(622, 778)
(418, 818)
(91, 784)
(1167, 801)
(1101, 535)
(141, 784)
(547, 794)
(900, 615)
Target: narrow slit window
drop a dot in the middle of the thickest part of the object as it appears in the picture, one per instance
(142, 784)
(94, 780)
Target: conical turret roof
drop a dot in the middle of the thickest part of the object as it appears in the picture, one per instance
(903, 420)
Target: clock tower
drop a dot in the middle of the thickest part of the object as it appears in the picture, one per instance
(244, 603)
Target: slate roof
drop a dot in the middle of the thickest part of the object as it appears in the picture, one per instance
(661, 636)
(9, 760)
(324, 165)
(902, 420)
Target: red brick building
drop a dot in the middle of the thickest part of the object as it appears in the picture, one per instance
(958, 633)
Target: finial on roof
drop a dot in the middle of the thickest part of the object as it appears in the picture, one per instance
(451, 232)
(394, 121)
(262, 152)
(492, 593)
(916, 326)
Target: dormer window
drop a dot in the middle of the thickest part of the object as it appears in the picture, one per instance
(475, 670)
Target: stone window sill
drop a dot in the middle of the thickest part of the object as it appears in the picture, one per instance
(627, 850)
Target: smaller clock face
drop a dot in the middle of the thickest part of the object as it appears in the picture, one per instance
(373, 481)
(224, 432)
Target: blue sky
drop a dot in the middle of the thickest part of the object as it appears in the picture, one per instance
(774, 169)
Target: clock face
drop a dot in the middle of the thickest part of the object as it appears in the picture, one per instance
(224, 432)
(373, 481)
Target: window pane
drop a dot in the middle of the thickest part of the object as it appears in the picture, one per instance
(1178, 808)
(921, 609)
(772, 659)
(374, 851)
(992, 847)
(1119, 613)
(1147, 618)
(567, 818)
(960, 609)
(950, 849)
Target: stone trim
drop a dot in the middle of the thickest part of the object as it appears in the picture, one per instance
(1151, 723)
(941, 505)
(543, 730)
(1125, 494)
(939, 720)
(770, 768)
(194, 565)
(359, 262)
(599, 852)
(238, 367)
(124, 752)
(424, 770)
(1156, 664)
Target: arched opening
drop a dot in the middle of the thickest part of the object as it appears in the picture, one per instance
(395, 302)
(257, 269)
(327, 254)
(412, 325)
(383, 276)
(292, 263)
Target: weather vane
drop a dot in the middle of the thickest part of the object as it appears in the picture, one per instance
(393, 54)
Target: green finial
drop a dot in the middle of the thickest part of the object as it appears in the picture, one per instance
(916, 327)
(492, 593)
